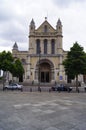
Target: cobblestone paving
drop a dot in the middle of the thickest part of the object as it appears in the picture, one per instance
(42, 111)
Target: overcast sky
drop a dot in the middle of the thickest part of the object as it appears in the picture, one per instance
(16, 15)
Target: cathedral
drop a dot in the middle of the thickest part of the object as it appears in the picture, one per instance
(43, 60)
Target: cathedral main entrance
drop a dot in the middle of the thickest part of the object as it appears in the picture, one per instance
(45, 71)
(45, 76)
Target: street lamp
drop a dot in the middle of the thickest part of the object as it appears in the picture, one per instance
(39, 89)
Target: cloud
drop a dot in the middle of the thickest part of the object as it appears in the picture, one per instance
(67, 3)
(15, 17)
(12, 24)
(13, 31)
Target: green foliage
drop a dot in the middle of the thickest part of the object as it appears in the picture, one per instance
(18, 69)
(5, 60)
(75, 63)
(8, 63)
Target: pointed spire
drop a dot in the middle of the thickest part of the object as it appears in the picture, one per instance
(32, 27)
(59, 26)
(59, 22)
(32, 22)
(15, 46)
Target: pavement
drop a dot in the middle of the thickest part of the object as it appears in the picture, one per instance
(42, 110)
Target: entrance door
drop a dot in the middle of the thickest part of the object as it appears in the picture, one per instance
(45, 73)
(42, 77)
(45, 76)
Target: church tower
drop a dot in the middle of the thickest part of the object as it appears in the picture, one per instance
(31, 36)
(59, 35)
(45, 52)
(32, 27)
(15, 47)
(60, 47)
(43, 60)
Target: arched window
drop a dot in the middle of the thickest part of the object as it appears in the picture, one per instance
(37, 46)
(45, 29)
(45, 46)
(52, 46)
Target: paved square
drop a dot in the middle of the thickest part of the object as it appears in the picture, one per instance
(42, 111)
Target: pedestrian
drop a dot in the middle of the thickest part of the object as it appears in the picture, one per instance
(39, 89)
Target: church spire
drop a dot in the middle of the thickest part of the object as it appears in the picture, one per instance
(32, 27)
(15, 46)
(32, 22)
(59, 26)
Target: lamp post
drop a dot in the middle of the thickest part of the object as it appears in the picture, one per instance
(39, 89)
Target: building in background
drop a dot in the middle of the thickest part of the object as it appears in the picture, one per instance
(43, 60)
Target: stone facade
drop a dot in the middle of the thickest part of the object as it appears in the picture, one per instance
(43, 60)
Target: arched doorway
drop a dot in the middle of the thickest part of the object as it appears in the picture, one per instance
(45, 71)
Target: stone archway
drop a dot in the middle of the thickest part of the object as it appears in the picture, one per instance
(45, 71)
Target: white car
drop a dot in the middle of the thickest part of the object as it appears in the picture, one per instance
(13, 86)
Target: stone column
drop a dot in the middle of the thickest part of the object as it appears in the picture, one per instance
(28, 67)
(49, 46)
(60, 69)
(55, 73)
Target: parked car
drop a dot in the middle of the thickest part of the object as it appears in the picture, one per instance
(85, 88)
(13, 86)
(61, 87)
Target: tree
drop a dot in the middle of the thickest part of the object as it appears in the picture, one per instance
(75, 63)
(17, 69)
(9, 64)
(6, 59)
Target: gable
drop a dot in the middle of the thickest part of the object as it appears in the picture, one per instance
(45, 27)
